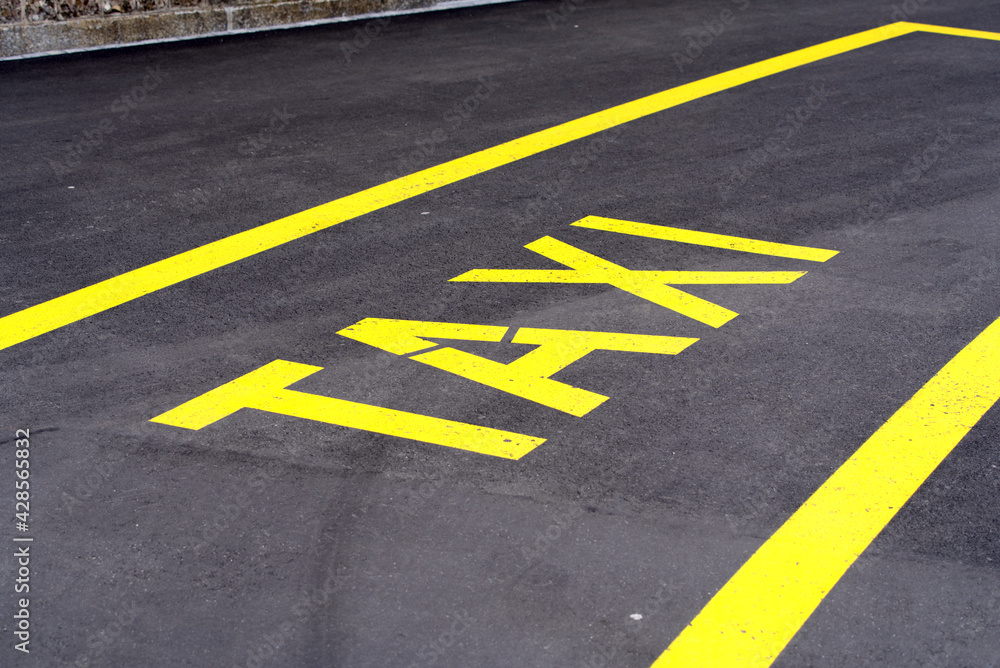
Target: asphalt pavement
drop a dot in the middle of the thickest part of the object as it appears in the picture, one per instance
(414, 495)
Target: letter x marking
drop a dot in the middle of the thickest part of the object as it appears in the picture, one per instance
(654, 286)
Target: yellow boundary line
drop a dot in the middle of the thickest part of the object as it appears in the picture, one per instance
(751, 619)
(761, 608)
(55, 313)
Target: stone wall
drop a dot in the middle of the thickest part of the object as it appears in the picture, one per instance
(40, 26)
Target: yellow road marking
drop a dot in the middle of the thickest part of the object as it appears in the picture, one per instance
(402, 337)
(636, 275)
(55, 313)
(705, 239)
(957, 32)
(528, 376)
(751, 619)
(649, 285)
(265, 389)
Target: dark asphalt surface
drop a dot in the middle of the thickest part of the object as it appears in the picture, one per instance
(157, 546)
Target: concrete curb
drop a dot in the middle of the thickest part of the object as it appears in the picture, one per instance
(27, 40)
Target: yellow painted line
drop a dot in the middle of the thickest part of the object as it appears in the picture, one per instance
(37, 320)
(639, 275)
(265, 389)
(751, 619)
(705, 239)
(958, 32)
